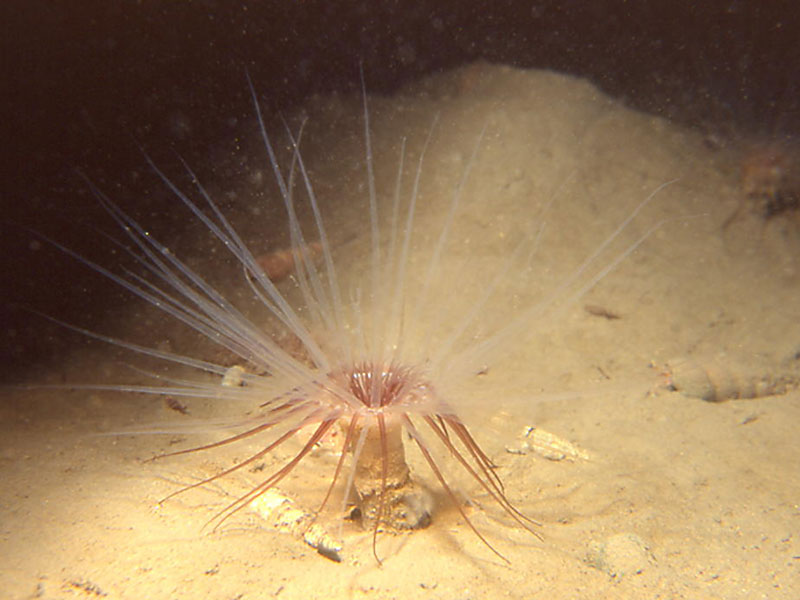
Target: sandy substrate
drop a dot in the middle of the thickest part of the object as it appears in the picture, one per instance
(678, 498)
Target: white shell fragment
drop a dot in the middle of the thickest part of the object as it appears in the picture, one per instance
(234, 376)
(282, 513)
(547, 445)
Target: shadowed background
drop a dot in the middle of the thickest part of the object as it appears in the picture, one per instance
(85, 83)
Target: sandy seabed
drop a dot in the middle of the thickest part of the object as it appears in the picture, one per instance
(679, 498)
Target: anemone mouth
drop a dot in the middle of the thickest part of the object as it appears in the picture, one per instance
(378, 386)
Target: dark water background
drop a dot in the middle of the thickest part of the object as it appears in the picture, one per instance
(85, 83)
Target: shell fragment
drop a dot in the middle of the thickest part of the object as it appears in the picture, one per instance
(282, 513)
(547, 445)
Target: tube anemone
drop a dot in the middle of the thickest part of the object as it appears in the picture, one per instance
(361, 363)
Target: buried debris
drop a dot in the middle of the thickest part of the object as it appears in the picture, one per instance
(718, 381)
